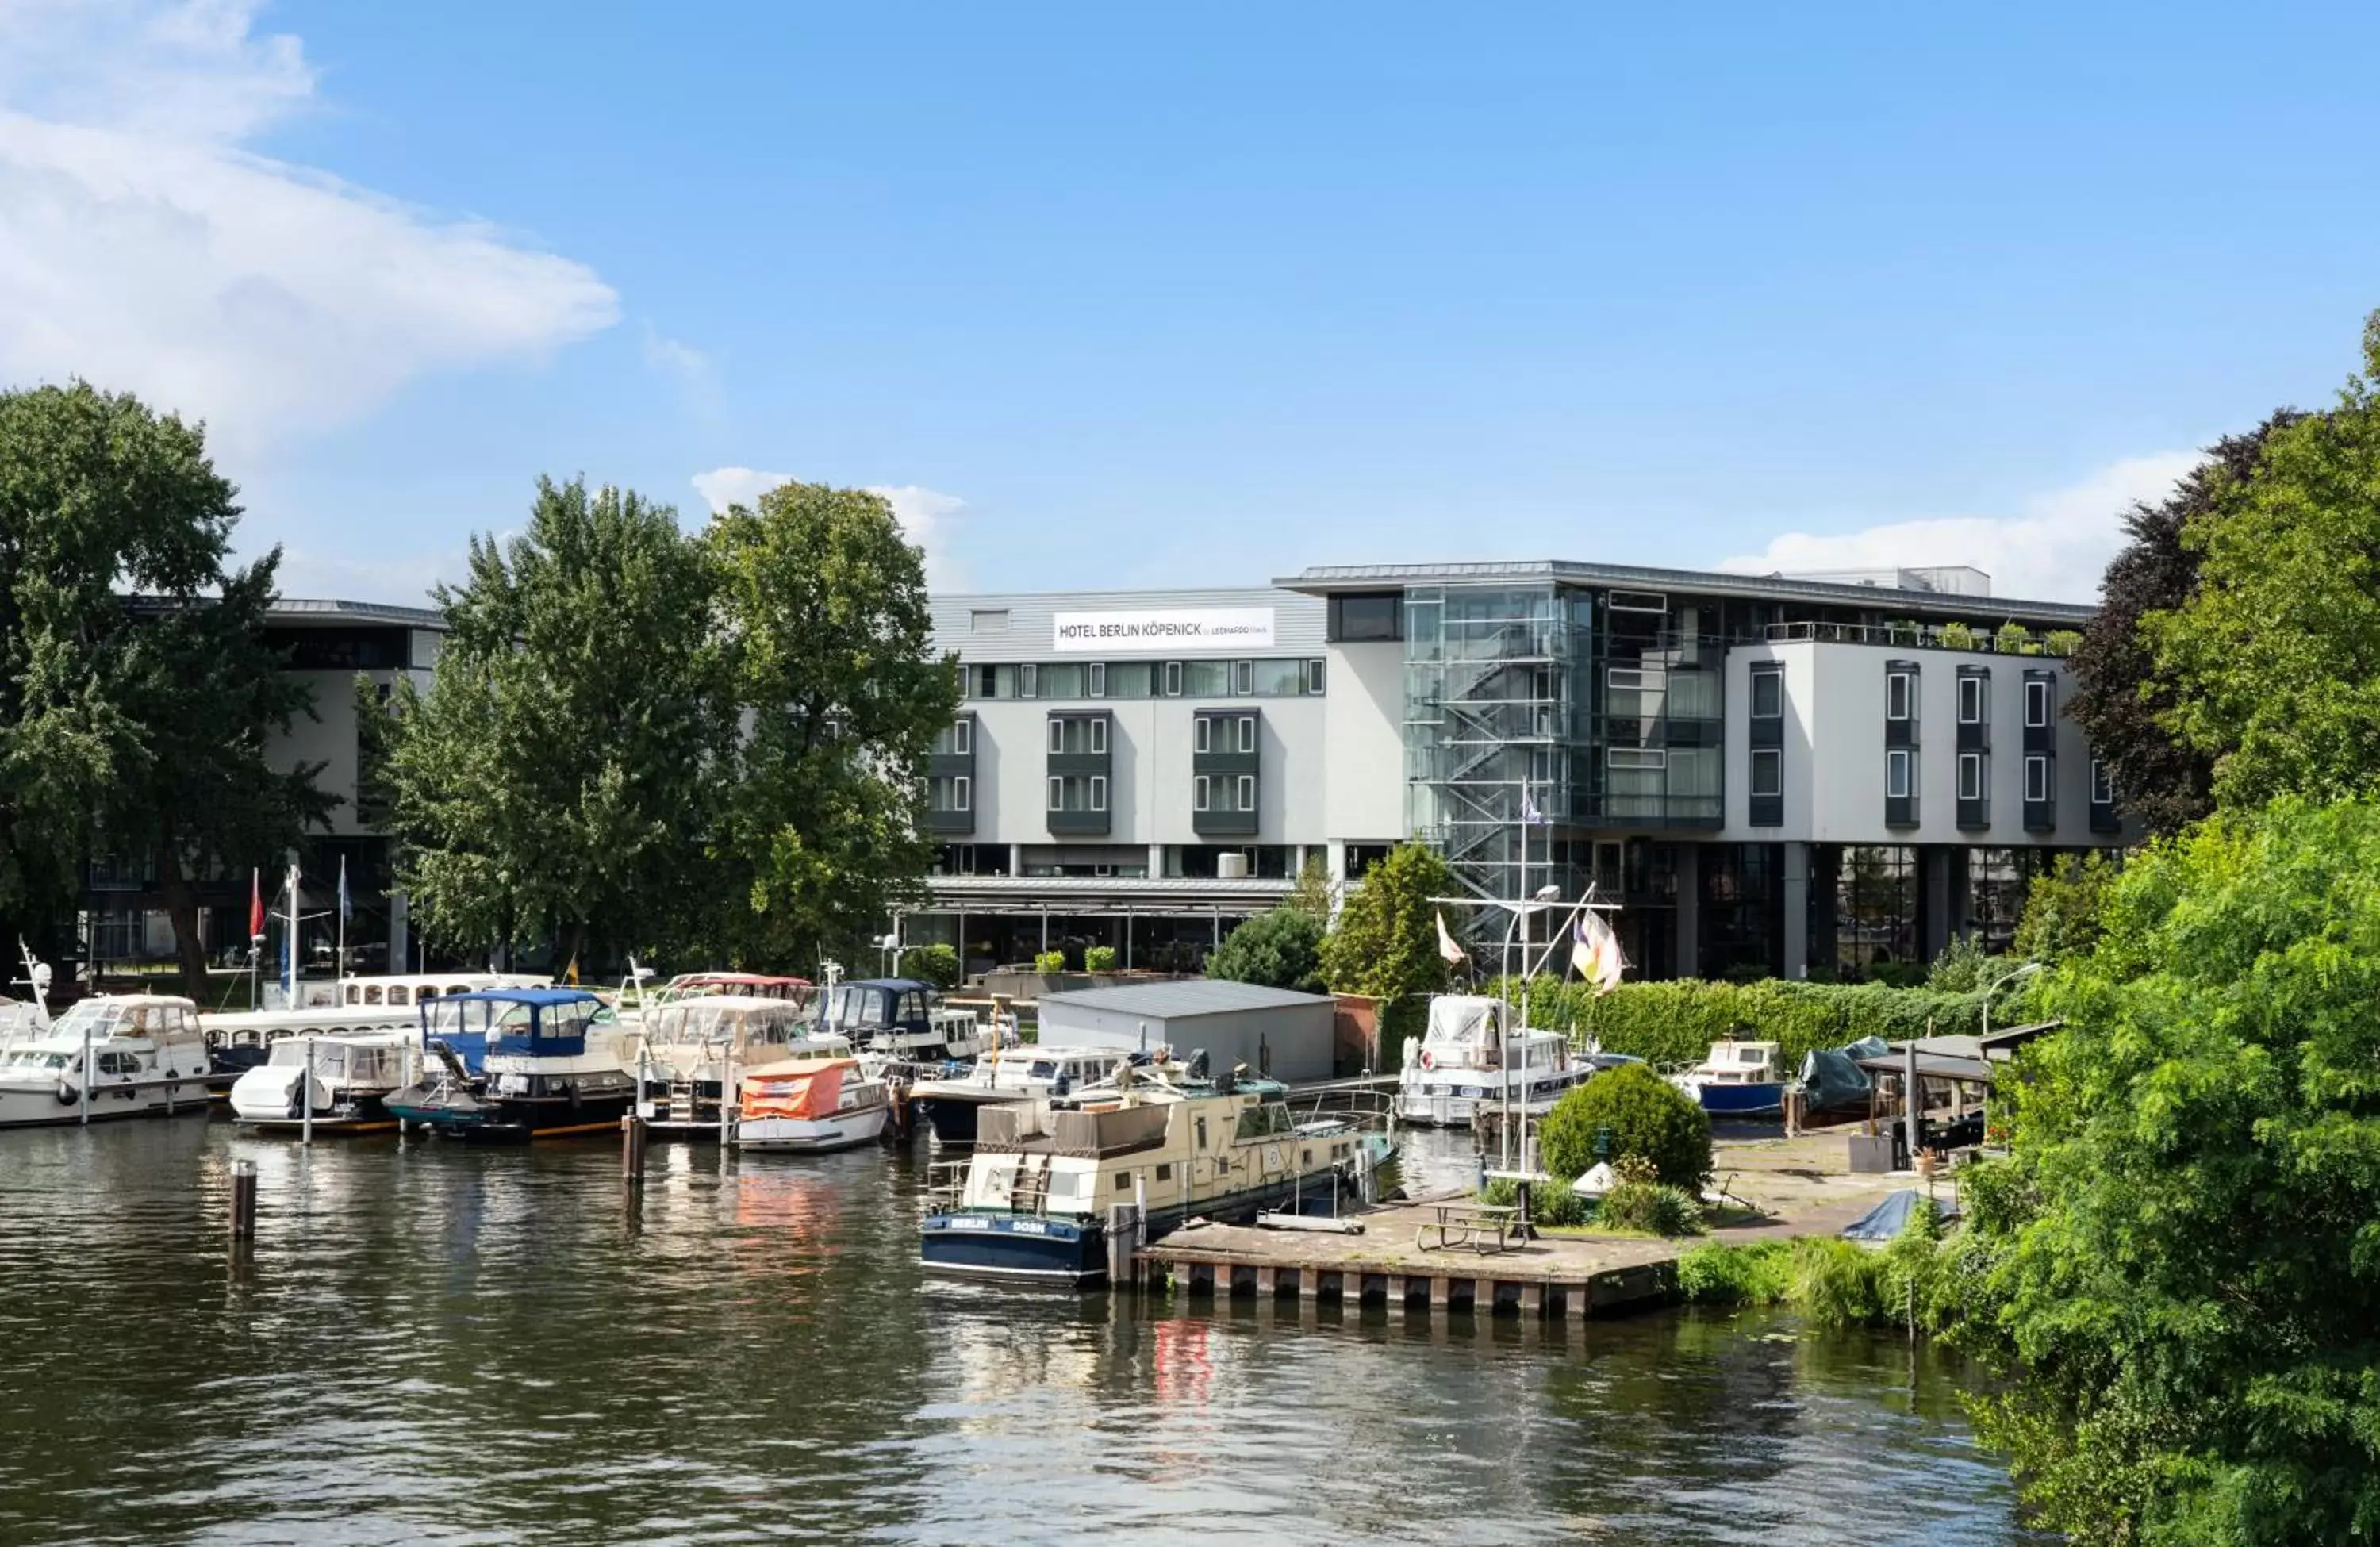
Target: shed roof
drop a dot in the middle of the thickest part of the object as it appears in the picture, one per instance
(1181, 998)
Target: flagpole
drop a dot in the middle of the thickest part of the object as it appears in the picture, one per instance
(289, 946)
(340, 970)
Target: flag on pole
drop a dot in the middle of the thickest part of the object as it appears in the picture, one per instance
(570, 973)
(346, 907)
(1446, 946)
(1594, 952)
(255, 903)
(1529, 812)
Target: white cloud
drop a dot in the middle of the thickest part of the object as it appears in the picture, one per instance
(143, 247)
(926, 516)
(2053, 549)
(695, 373)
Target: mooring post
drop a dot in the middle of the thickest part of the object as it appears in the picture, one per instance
(243, 1200)
(306, 1122)
(632, 1147)
(83, 1099)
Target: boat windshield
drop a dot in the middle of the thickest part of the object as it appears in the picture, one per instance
(696, 1022)
(858, 1004)
(25, 1059)
(330, 1058)
(102, 1017)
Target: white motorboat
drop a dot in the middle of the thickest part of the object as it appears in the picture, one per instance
(116, 1055)
(901, 1021)
(1004, 1075)
(1472, 1057)
(1736, 1079)
(809, 1105)
(696, 1051)
(353, 1074)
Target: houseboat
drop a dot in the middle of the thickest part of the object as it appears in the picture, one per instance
(692, 1053)
(549, 1065)
(810, 1105)
(116, 1055)
(1736, 1079)
(1031, 1204)
(1473, 1056)
(352, 1074)
(1001, 1078)
(900, 1023)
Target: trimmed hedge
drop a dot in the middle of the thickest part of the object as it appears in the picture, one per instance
(1675, 1022)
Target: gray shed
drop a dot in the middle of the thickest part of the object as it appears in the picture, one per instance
(1236, 1023)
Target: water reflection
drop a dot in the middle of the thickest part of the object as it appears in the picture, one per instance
(434, 1342)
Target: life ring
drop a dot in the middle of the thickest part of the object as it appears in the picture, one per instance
(1429, 1060)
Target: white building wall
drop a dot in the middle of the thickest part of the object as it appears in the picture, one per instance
(1363, 782)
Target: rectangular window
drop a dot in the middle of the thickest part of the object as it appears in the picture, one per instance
(1027, 681)
(2103, 784)
(986, 621)
(1971, 776)
(1314, 676)
(1244, 677)
(1174, 680)
(1248, 732)
(1638, 757)
(1057, 795)
(1767, 695)
(1247, 792)
(1165, 1173)
(963, 739)
(1206, 679)
(1099, 792)
(1060, 680)
(1057, 736)
(1899, 696)
(1201, 731)
(1098, 735)
(1129, 679)
(1279, 679)
(1897, 774)
(961, 793)
(1768, 772)
(1973, 704)
(1096, 679)
(2036, 778)
(1198, 793)
(1360, 619)
(1637, 602)
(2036, 703)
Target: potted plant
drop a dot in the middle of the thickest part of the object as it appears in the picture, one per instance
(1957, 636)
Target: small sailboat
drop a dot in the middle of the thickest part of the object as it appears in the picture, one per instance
(810, 1105)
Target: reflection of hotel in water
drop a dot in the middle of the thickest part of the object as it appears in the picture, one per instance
(1795, 774)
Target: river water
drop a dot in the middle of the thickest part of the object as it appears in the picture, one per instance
(433, 1343)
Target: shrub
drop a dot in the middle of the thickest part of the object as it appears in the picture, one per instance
(2062, 641)
(1759, 1272)
(1836, 1285)
(939, 965)
(1552, 1206)
(1963, 966)
(1279, 949)
(1645, 1116)
(1099, 958)
(1675, 1022)
(1050, 963)
(2014, 638)
(1654, 1209)
(1957, 636)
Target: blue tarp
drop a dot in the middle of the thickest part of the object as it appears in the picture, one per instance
(1891, 1217)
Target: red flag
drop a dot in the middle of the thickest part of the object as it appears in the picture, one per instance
(255, 904)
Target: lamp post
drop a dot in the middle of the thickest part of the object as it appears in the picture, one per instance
(2027, 971)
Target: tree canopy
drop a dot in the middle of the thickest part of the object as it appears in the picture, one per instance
(2179, 1269)
(133, 725)
(1385, 943)
(2274, 660)
(1279, 948)
(2119, 699)
(555, 781)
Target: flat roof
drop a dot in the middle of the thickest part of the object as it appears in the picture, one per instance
(325, 609)
(1323, 580)
(1184, 998)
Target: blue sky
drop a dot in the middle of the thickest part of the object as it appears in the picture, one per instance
(1143, 295)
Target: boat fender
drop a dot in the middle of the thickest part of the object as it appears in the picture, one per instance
(68, 1094)
(1429, 1060)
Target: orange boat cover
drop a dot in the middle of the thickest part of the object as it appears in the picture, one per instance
(811, 1094)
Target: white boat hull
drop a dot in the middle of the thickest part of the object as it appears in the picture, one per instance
(844, 1130)
(23, 1106)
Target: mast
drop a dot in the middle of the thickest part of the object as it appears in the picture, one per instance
(289, 946)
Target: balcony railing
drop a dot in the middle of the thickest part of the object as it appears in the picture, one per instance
(2052, 643)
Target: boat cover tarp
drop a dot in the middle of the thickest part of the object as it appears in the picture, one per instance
(1891, 1217)
(1832, 1079)
(808, 1091)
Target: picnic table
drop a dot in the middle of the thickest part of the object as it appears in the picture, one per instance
(1481, 1226)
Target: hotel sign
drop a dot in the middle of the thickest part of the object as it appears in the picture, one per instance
(1238, 629)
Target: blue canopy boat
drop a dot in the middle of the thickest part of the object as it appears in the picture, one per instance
(508, 1065)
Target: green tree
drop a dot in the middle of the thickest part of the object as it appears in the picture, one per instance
(135, 725)
(830, 668)
(2176, 1272)
(1312, 891)
(557, 782)
(2062, 909)
(2275, 660)
(1280, 948)
(1641, 1114)
(1385, 943)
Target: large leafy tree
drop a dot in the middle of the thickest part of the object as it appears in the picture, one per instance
(136, 722)
(2179, 1269)
(1279, 948)
(2119, 700)
(1385, 943)
(557, 780)
(830, 668)
(2275, 659)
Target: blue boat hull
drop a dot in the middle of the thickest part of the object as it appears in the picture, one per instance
(1064, 1252)
(1742, 1101)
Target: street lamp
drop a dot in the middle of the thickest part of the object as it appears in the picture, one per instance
(2027, 971)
